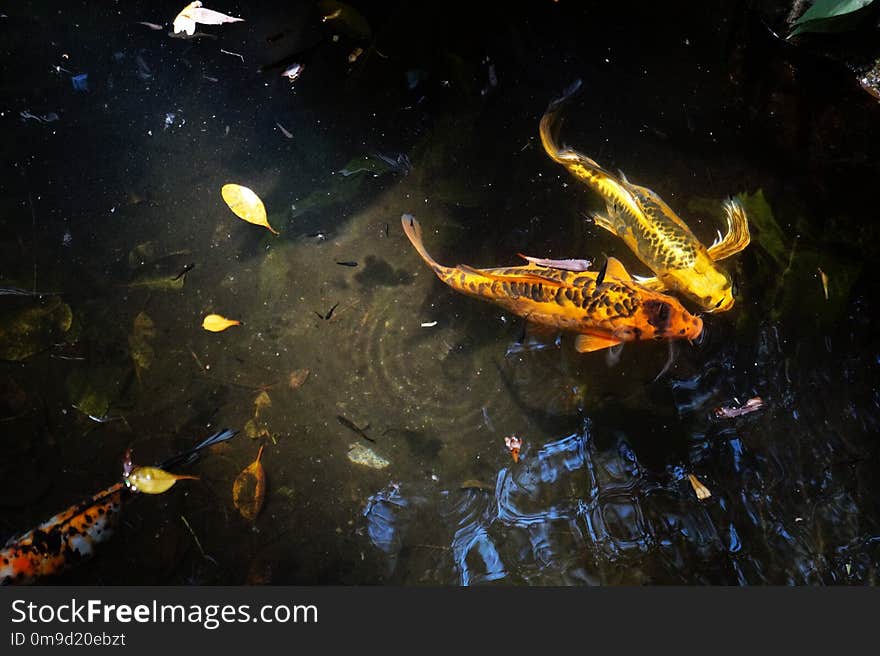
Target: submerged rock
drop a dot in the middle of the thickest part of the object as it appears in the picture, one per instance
(361, 455)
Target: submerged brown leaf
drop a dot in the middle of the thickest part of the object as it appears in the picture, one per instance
(249, 489)
(139, 343)
(297, 378)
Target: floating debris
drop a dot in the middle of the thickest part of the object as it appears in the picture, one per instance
(729, 412)
(194, 13)
(428, 324)
(513, 444)
(700, 490)
(249, 489)
(474, 484)
(215, 323)
(287, 133)
(362, 455)
(246, 205)
(824, 278)
(293, 72)
(566, 265)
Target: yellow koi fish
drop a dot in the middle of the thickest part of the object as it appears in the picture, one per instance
(605, 308)
(651, 229)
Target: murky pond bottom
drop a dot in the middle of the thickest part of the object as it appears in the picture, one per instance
(382, 397)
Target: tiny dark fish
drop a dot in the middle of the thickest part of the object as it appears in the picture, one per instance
(601, 277)
(186, 269)
(348, 263)
(326, 317)
(354, 427)
(275, 37)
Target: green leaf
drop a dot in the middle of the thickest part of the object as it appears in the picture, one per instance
(769, 236)
(824, 16)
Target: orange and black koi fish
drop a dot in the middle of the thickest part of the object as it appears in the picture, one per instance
(615, 311)
(72, 536)
(651, 229)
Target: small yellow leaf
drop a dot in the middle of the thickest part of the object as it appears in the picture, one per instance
(249, 489)
(152, 480)
(246, 205)
(215, 323)
(700, 490)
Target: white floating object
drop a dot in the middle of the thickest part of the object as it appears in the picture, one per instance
(429, 324)
(194, 13)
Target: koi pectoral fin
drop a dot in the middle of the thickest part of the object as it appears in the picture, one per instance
(590, 343)
(737, 237)
(603, 222)
(653, 283)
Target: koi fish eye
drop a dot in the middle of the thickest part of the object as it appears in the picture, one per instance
(718, 304)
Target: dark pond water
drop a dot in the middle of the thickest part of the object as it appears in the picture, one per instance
(699, 103)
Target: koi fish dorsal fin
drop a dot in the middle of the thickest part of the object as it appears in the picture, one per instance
(526, 276)
(590, 343)
(615, 269)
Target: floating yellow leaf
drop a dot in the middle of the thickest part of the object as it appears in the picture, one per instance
(249, 489)
(700, 490)
(152, 480)
(246, 205)
(215, 323)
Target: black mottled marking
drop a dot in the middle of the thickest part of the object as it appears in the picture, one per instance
(637, 332)
(618, 308)
(658, 314)
(560, 296)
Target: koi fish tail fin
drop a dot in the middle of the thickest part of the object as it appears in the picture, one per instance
(551, 122)
(190, 456)
(413, 230)
(737, 237)
(578, 164)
